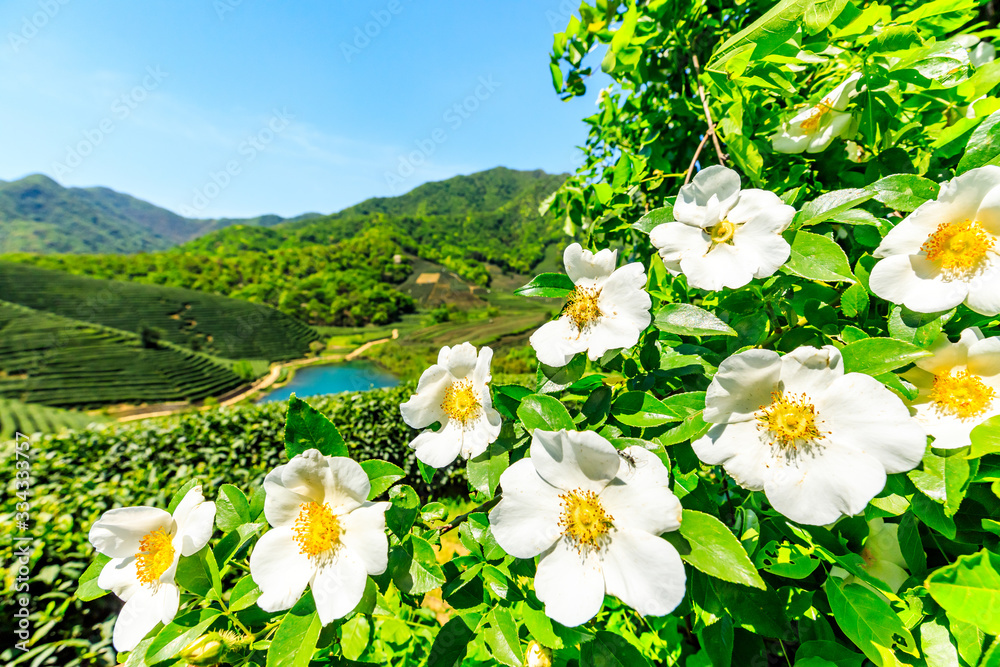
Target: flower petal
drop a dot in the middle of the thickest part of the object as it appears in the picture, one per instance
(141, 614)
(459, 360)
(833, 126)
(742, 386)
(644, 571)
(481, 374)
(810, 370)
(345, 483)
(120, 577)
(570, 460)
(917, 283)
(194, 519)
(424, 407)
(984, 355)
(439, 448)
(677, 240)
(740, 449)
(967, 192)
(910, 234)
(584, 265)
(364, 534)
(339, 586)
(570, 584)
(118, 532)
(786, 141)
(762, 210)
(280, 569)
(281, 505)
(723, 266)
(526, 521)
(558, 341)
(639, 498)
(708, 197)
(984, 290)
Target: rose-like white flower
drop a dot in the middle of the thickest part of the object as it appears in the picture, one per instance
(813, 129)
(608, 309)
(957, 387)
(145, 544)
(817, 441)
(325, 535)
(594, 517)
(723, 236)
(945, 252)
(454, 393)
(882, 556)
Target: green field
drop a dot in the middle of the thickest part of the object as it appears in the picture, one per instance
(60, 362)
(229, 328)
(29, 418)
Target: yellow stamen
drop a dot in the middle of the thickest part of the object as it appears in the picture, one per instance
(155, 556)
(461, 402)
(582, 306)
(818, 112)
(963, 394)
(317, 529)
(789, 419)
(722, 232)
(583, 519)
(958, 246)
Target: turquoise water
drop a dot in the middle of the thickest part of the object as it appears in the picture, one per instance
(333, 379)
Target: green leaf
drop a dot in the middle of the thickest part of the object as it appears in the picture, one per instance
(687, 320)
(608, 649)
(829, 205)
(199, 573)
(244, 594)
(904, 192)
(296, 637)
(932, 514)
(855, 300)
(984, 144)
(414, 566)
(986, 438)
(553, 285)
(231, 508)
(818, 258)
(716, 551)
(943, 480)
(655, 218)
(179, 633)
(308, 428)
(507, 397)
(874, 356)
(451, 644)
(969, 590)
(717, 640)
(936, 645)
(910, 544)
(785, 559)
(382, 475)
(918, 328)
(868, 621)
(822, 13)
(354, 637)
(484, 470)
(501, 637)
(544, 412)
(830, 651)
(476, 535)
(176, 499)
(405, 506)
(766, 34)
(539, 626)
(637, 408)
(556, 378)
(87, 588)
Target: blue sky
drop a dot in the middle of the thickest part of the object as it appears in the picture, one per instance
(242, 107)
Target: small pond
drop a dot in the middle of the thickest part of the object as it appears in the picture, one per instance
(333, 379)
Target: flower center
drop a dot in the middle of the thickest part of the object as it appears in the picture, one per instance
(156, 554)
(958, 246)
(722, 232)
(583, 519)
(461, 402)
(812, 123)
(317, 529)
(789, 418)
(582, 306)
(963, 394)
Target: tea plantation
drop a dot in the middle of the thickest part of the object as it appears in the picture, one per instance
(28, 418)
(224, 327)
(60, 362)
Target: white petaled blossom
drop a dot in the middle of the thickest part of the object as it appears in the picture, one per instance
(813, 129)
(145, 544)
(607, 310)
(593, 516)
(883, 559)
(324, 535)
(945, 252)
(957, 387)
(819, 442)
(723, 236)
(454, 392)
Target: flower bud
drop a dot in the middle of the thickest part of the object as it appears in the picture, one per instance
(537, 655)
(206, 650)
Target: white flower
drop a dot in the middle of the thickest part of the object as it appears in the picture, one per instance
(454, 393)
(882, 556)
(723, 236)
(817, 441)
(980, 52)
(945, 252)
(608, 309)
(594, 517)
(145, 544)
(957, 387)
(325, 535)
(814, 129)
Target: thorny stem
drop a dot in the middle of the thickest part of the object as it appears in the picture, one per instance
(708, 114)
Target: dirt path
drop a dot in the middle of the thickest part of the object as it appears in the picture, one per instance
(263, 383)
